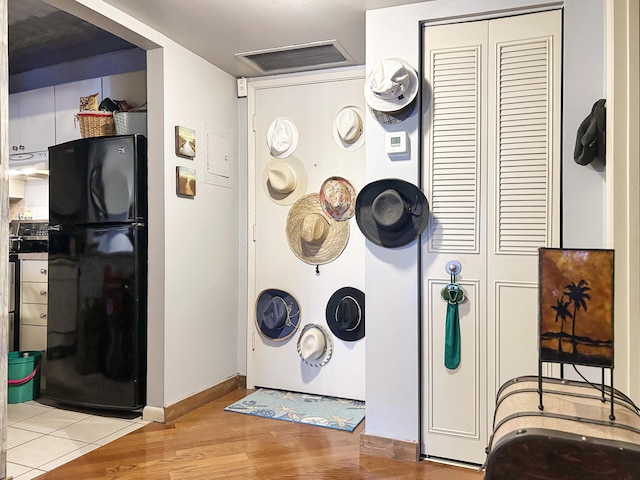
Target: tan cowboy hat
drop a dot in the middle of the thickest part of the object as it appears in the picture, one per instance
(348, 128)
(282, 137)
(391, 85)
(313, 237)
(315, 345)
(338, 198)
(284, 181)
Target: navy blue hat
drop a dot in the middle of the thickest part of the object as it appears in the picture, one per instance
(277, 314)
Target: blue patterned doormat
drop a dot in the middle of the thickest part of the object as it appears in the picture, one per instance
(328, 412)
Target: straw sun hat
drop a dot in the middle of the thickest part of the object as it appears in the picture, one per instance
(313, 237)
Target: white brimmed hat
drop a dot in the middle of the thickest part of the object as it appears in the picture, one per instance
(391, 85)
(284, 181)
(338, 198)
(282, 137)
(348, 128)
(315, 345)
(312, 236)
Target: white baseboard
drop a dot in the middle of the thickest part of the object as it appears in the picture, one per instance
(153, 414)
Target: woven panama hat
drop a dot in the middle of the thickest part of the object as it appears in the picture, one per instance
(348, 128)
(277, 314)
(391, 85)
(315, 345)
(284, 181)
(338, 198)
(391, 212)
(282, 137)
(345, 314)
(313, 237)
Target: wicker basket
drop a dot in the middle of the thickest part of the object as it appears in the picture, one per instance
(96, 124)
(128, 123)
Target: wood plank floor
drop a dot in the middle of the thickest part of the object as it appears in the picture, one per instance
(209, 443)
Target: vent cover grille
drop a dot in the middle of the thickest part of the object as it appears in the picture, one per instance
(295, 58)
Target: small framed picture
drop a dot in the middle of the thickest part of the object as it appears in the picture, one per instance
(185, 142)
(185, 182)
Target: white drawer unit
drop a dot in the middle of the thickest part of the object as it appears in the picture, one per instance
(34, 297)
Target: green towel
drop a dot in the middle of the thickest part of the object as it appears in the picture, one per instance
(452, 338)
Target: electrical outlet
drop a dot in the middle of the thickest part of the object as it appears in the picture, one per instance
(242, 87)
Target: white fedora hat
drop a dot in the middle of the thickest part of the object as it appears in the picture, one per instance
(282, 137)
(315, 345)
(284, 181)
(348, 128)
(391, 85)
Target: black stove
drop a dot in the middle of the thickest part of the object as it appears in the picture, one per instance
(29, 236)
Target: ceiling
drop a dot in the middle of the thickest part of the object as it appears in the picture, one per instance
(217, 30)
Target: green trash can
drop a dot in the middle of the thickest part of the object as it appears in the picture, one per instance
(24, 376)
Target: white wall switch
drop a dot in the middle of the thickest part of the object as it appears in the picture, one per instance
(242, 87)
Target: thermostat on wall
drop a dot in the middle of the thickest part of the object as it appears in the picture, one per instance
(396, 143)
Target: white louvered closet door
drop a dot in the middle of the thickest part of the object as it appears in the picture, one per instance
(491, 173)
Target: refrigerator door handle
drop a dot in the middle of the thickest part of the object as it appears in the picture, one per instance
(54, 228)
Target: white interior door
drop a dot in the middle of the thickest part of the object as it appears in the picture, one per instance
(491, 167)
(311, 101)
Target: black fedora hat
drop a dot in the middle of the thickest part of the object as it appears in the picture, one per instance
(277, 314)
(591, 136)
(345, 313)
(391, 212)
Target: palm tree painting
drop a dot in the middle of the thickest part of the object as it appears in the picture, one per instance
(576, 286)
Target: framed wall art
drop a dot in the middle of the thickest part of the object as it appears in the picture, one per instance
(185, 182)
(185, 142)
(576, 306)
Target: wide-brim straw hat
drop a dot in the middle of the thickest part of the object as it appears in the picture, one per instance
(277, 314)
(391, 85)
(391, 212)
(338, 198)
(315, 345)
(314, 237)
(282, 137)
(284, 181)
(345, 314)
(348, 128)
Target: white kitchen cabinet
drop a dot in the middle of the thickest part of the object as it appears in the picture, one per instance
(31, 120)
(67, 105)
(131, 87)
(16, 188)
(34, 293)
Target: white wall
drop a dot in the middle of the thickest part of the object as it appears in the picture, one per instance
(36, 198)
(393, 318)
(193, 243)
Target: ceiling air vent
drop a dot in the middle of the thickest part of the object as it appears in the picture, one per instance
(295, 58)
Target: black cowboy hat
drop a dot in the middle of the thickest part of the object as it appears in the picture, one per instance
(391, 212)
(345, 313)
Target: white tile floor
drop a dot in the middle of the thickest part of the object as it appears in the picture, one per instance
(41, 438)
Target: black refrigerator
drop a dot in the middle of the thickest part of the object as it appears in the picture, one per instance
(97, 312)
